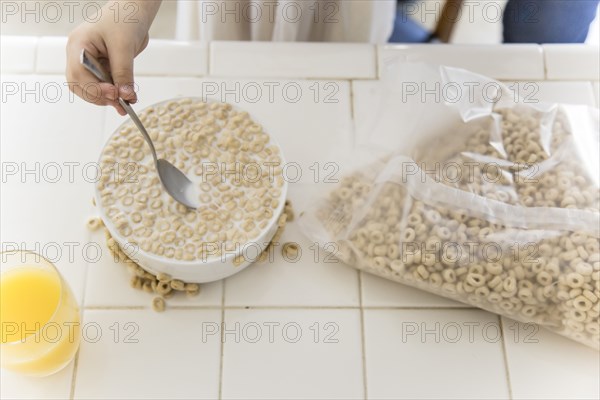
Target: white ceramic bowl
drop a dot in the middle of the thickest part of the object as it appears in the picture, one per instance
(199, 271)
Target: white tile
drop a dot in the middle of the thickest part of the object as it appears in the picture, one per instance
(51, 55)
(405, 358)
(526, 61)
(293, 60)
(154, 355)
(108, 286)
(285, 354)
(50, 220)
(56, 386)
(315, 279)
(161, 57)
(544, 365)
(568, 92)
(173, 58)
(388, 119)
(43, 121)
(18, 54)
(315, 129)
(380, 292)
(367, 98)
(572, 61)
(46, 201)
(597, 93)
(310, 120)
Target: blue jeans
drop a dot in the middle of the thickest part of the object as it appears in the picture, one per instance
(548, 21)
(524, 21)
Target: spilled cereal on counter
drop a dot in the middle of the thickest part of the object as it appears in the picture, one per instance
(162, 284)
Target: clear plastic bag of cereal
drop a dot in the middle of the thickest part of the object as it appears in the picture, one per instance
(461, 187)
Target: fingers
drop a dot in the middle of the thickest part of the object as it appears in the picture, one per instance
(120, 56)
(95, 92)
(116, 52)
(84, 84)
(119, 109)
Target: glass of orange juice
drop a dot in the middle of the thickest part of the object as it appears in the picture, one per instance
(39, 316)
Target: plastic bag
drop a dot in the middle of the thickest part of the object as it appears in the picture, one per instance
(479, 196)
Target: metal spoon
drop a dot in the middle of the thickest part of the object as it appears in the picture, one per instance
(173, 180)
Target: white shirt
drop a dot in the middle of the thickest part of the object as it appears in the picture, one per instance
(369, 21)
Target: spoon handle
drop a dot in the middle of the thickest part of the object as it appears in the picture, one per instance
(97, 69)
(140, 126)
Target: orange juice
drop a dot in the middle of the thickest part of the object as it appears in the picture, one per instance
(39, 318)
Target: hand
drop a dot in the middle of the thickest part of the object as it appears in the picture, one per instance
(114, 41)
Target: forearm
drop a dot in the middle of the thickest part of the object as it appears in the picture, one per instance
(140, 12)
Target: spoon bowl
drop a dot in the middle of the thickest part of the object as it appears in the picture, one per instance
(176, 183)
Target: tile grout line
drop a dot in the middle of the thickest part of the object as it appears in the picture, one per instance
(74, 375)
(352, 115)
(222, 339)
(208, 65)
(216, 307)
(377, 54)
(505, 358)
(452, 308)
(83, 307)
(362, 334)
(351, 82)
(76, 359)
(85, 281)
(35, 56)
(119, 308)
(544, 63)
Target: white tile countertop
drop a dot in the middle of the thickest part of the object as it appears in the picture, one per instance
(336, 332)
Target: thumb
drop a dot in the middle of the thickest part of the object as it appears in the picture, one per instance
(121, 68)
